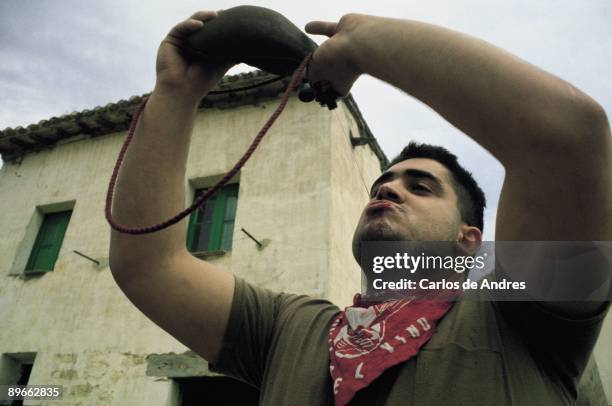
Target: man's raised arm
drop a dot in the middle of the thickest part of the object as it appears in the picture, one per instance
(553, 140)
(506, 104)
(187, 297)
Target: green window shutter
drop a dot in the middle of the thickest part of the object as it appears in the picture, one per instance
(48, 242)
(200, 225)
(227, 234)
(211, 226)
(216, 228)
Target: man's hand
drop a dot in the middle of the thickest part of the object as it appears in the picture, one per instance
(175, 72)
(333, 61)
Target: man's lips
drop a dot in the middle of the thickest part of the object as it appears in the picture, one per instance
(380, 205)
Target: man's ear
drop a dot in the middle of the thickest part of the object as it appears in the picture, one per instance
(469, 239)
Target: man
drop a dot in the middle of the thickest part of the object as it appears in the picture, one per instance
(554, 142)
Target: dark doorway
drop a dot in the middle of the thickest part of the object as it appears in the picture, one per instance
(24, 376)
(218, 391)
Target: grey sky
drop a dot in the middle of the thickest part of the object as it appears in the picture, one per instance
(60, 56)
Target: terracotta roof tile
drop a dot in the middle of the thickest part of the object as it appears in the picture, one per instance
(115, 117)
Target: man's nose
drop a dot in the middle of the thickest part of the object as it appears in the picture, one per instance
(389, 191)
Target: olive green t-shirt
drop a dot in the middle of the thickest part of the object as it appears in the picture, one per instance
(482, 353)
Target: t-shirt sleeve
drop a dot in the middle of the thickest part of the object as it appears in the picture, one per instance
(262, 321)
(562, 345)
(248, 333)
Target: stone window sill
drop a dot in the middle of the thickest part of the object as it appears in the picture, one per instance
(208, 254)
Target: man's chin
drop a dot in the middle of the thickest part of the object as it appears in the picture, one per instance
(375, 234)
(382, 232)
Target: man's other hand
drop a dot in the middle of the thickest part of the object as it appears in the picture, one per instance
(334, 60)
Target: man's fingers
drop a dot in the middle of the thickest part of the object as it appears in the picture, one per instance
(193, 23)
(204, 15)
(185, 28)
(321, 28)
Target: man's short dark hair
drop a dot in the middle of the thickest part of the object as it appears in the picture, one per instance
(471, 198)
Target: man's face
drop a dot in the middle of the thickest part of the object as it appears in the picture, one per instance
(414, 200)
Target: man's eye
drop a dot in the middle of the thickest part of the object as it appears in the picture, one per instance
(421, 188)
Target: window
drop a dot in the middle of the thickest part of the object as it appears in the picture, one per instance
(211, 227)
(48, 242)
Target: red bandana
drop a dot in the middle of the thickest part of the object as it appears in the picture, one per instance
(365, 341)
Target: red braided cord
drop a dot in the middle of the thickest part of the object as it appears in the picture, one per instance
(297, 77)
